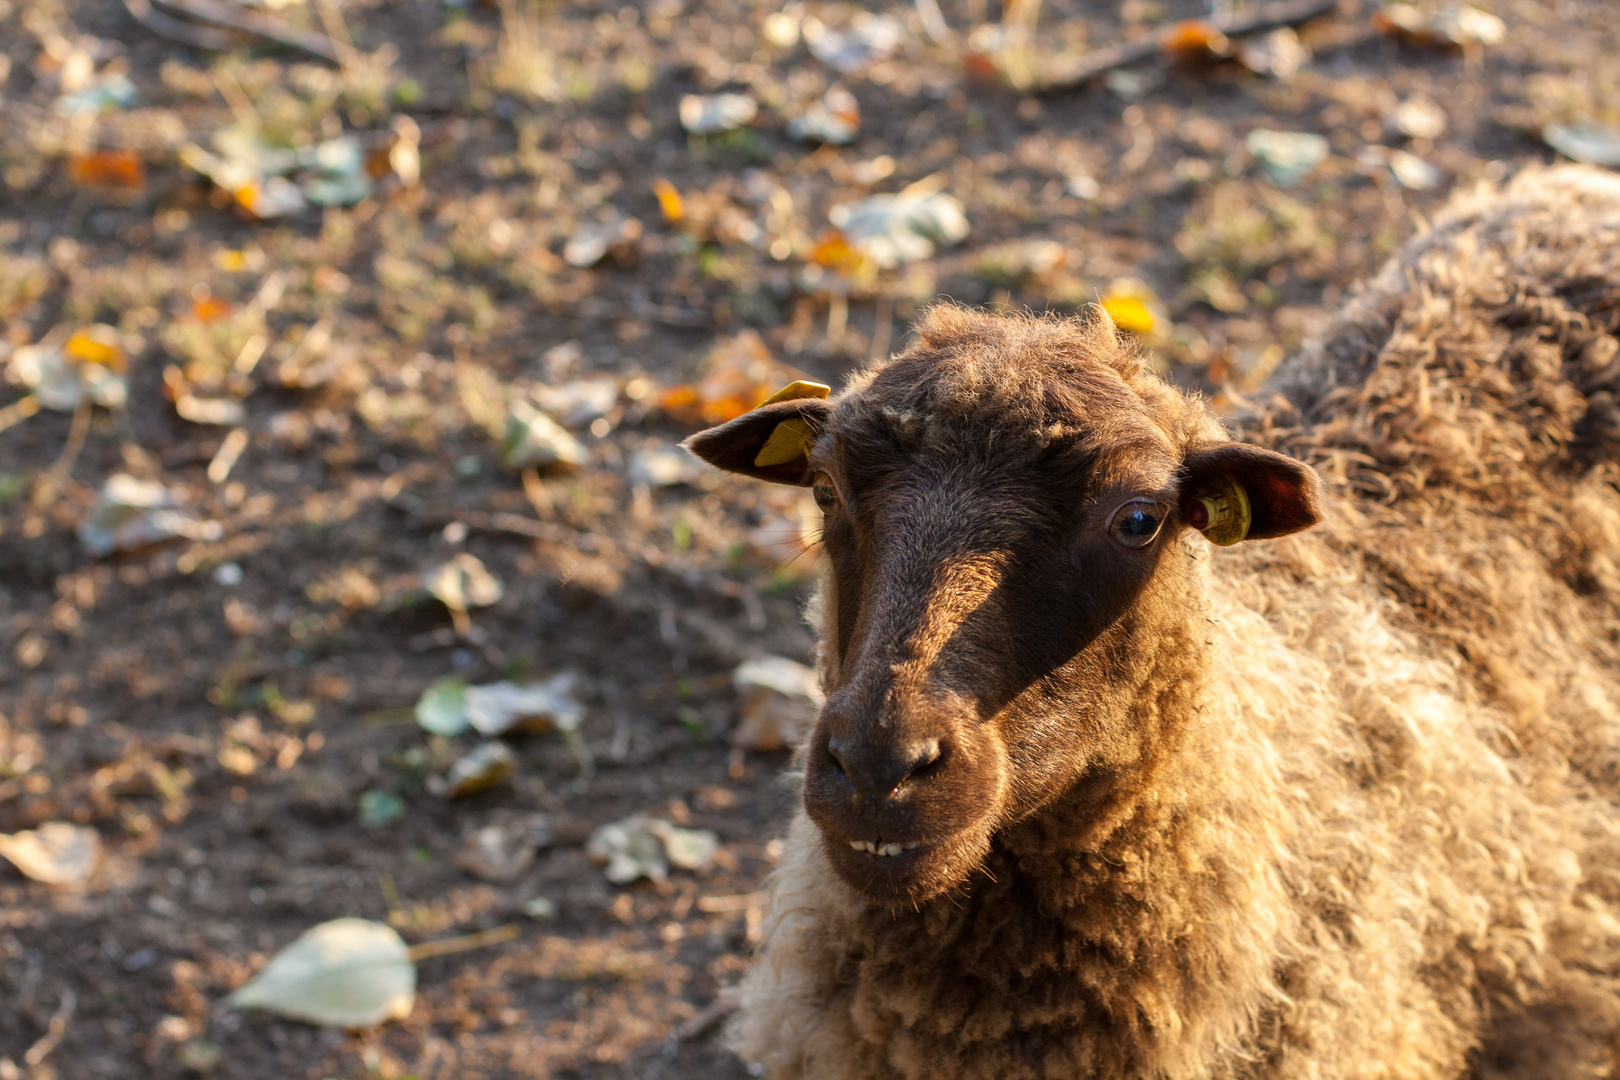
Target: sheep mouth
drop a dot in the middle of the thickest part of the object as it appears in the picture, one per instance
(901, 873)
(884, 850)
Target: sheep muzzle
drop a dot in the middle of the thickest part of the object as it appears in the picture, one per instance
(903, 814)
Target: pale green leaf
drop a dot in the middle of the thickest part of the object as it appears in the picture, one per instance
(343, 973)
(442, 708)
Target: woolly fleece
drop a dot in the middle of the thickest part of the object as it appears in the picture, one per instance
(1388, 841)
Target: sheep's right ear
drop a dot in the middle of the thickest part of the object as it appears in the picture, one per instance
(773, 441)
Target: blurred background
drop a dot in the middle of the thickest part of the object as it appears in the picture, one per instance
(349, 568)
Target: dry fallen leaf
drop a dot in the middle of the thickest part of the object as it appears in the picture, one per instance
(1412, 171)
(904, 227)
(1592, 144)
(504, 708)
(534, 440)
(56, 853)
(108, 169)
(62, 372)
(866, 40)
(687, 849)
(780, 698)
(612, 234)
(737, 375)
(670, 203)
(1136, 308)
(707, 114)
(450, 707)
(212, 410)
(1419, 117)
(834, 118)
(107, 92)
(270, 181)
(130, 514)
(1286, 156)
(1279, 54)
(664, 466)
(502, 850)
(834, 252)
(1459, 25)
(580, 402)
(481, 768)
(640, 846)
(464, 583)
(343, 973)
(1194, 40)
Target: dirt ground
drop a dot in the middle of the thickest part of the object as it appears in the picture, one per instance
(217, 706)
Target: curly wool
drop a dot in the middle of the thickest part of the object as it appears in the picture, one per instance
(1387, 843)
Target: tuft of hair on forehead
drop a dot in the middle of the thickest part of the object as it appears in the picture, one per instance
(1027, 377)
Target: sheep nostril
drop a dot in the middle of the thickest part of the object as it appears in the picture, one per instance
(836, 753)
(925, 759)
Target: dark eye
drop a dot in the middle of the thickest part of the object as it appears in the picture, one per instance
(822, 490)
(1136, 523)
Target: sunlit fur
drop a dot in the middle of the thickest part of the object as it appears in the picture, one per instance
(1380, 834)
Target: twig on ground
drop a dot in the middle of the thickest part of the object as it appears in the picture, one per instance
(497, 521)
(1099, 61)
(166, 26)
(54, 1031)
(447, 946)
(232, 18)
(706, 1018)
(538, 496)
(388, 717)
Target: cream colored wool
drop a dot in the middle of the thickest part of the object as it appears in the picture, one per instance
(1389, 843)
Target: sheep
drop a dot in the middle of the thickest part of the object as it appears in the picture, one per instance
(1090, 799)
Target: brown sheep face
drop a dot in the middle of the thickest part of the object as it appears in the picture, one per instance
(1004, 574)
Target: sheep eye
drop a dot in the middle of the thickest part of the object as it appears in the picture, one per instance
(826, 496)
(1136, 523)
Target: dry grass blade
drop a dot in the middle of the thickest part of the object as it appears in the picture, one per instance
(50, 484)
(522, 64)
(1101, 61)
(337, 31)
(731, 905)
(18, 411)
(447, 946)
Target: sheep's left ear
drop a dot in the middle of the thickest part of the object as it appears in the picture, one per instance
(1233, 491)
(773, 441)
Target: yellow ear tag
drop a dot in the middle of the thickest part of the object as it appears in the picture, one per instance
(792, 438)
(793, 391)
(1227, 513)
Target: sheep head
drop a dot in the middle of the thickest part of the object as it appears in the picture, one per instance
(1005, 505)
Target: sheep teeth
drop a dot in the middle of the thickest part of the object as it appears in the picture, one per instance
(882, 849)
